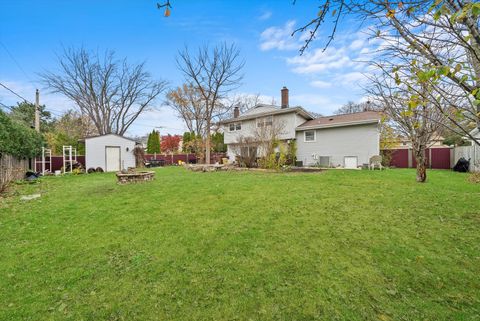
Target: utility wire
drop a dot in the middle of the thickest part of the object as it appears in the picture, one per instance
(57, 113)
(18, 95)
(3, 105)
(14, 60)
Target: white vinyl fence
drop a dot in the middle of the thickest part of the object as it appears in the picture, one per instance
(471, 153)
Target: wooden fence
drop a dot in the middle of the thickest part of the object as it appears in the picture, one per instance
(11, 168)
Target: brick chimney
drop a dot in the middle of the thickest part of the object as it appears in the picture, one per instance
(236, 112)
(284, 92)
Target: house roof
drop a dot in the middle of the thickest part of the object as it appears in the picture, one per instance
(97, 136)
(262, 110)
(364, 117)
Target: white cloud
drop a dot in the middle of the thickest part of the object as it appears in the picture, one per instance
(316, 103)
(320, 61)
(357, 44)
(265, 16)
(321, 84)
(351, 79)
(279, 38)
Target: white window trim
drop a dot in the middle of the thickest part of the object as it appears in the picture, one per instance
(314, 136)
(235, 126)
(262, 121)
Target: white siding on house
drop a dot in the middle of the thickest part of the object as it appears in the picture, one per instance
(288, 122)
(362, 141)
(95, 151)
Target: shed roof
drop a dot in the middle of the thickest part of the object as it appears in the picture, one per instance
(98, 136)
(364, 117)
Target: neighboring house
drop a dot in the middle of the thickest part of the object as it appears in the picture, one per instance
(111, 152)
(404, 143)
(341, 140)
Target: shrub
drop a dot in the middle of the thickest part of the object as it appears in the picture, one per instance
(275, 159)
(292, 153)
(139, 154)
(99, 170)
(18, 140)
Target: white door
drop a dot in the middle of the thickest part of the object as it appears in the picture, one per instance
(112, 159)
(351, 162)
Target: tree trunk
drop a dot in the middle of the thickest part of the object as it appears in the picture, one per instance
(421, 166)
(207, 144)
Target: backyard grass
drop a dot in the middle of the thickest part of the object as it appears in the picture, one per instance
(336, 245)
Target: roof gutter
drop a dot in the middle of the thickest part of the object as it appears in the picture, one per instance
(297, 110)
(351, 123)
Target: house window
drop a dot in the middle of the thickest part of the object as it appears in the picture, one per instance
(265, 121)
(309, 135)
(235, 126)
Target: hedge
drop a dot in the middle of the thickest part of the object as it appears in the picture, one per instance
(17, 139)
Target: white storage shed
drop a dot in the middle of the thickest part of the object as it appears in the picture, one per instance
(111, 152)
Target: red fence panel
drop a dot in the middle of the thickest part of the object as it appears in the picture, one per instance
(436, 158)
(440, 158)
(170, 159)
(399, 158)
(56, 163)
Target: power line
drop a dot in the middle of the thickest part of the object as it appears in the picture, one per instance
(56, 113)
(3, 105)
(14, 60)
(18, 95)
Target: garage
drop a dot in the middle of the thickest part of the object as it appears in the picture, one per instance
(110, 152)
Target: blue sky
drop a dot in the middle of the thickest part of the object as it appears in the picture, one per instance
(33, 32)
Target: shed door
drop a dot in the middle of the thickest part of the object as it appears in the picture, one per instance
(351, 162)
(112, 158)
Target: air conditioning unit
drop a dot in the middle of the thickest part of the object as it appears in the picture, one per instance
(324, 161)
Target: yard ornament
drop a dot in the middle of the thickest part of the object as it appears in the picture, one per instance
(167, 7)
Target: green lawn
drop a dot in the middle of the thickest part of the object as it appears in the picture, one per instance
(337, 245)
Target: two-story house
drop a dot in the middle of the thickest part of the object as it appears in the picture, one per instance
(340, 140)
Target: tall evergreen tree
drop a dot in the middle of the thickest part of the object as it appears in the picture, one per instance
(153, 142)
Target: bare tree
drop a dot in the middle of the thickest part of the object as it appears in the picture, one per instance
(187, 102)
(262, 143)
(418, 122)
(244, 102)
(443, 35)
(214, 72)
(352, 107)
(112, 93)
